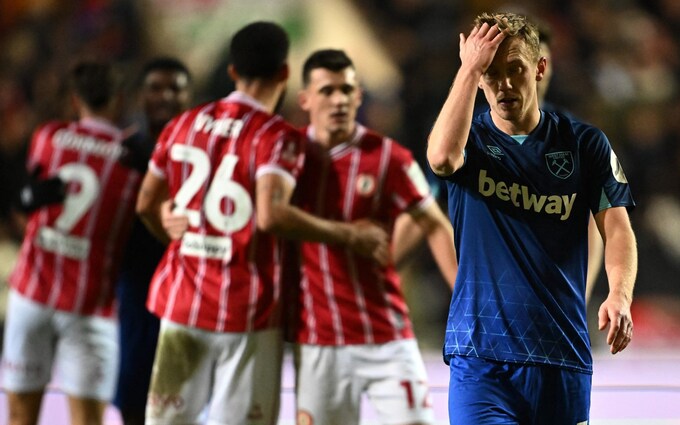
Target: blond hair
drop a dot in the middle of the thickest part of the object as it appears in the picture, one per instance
(514, 25)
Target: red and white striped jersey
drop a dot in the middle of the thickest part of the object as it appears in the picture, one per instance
(71, 251)
(346, 298)
(224, 274)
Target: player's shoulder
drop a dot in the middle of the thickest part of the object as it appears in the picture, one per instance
(372, 140)
(208, 107)
(397, 150)
(566, 122)
(49, 130)
(275, 128)
(280, 124)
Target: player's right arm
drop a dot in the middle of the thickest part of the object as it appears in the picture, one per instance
(153, 192)
(595, 256)
(439, 233)
(446, 142)
(620, 260)
(275, 214)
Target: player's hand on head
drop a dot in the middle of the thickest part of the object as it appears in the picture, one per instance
(478, 49)
(615, 311)
(370, 240)
(175, 225)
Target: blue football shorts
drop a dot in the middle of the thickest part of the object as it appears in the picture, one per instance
(485, 392)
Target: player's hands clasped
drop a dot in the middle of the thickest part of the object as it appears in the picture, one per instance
(175, 225)
(615, 310)
(369, 240)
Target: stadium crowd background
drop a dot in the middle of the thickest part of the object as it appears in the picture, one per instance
(616, 64)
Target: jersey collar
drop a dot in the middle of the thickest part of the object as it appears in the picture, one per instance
(241, 97)
(359, 131)
(99, 124)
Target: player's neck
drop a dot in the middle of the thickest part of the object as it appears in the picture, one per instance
(332, 139)
(104, 115)
(265, 92)
(524, 125)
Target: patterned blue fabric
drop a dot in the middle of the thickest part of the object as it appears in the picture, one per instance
(520, 214)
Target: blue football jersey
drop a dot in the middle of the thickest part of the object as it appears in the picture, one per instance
(520, 215)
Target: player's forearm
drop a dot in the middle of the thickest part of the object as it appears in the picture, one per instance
(407, 235)
(151, 195)
(440, 241)
(620, 258)
(433, 224)
(595, 255)
(153, 224)
(449, 134)
(291, 222)
(149, 214)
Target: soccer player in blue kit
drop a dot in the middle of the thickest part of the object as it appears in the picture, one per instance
(165, 90)
(521, 185)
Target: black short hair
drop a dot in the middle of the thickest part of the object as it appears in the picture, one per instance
(163, 63)
(331, 59)
(259, 50)
(95, 82)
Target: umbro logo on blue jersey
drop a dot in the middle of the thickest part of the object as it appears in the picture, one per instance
(494, 151)
(560, 164)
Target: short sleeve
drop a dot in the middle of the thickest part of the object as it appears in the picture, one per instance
(283, 153)
(608, 186)
(407, 185)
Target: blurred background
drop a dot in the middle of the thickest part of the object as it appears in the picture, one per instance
(616, 64)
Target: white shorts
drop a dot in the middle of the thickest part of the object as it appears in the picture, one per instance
(237, 374)
(81, 351)
(332, 379)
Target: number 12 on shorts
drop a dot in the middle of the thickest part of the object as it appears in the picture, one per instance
(414, 390)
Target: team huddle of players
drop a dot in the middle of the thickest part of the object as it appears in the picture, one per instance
(228, 170)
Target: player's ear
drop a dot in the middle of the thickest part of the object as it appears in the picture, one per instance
(233, 74)
(303, 99)
(541, 67)
(283, 73)
(76, 102)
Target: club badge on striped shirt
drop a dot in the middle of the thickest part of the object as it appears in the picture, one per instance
(365, 184)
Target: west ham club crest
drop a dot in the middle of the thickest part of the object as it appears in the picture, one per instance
(560, 164)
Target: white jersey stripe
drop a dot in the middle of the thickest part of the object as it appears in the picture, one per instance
(55, 160)
(162, 276)
(330, 295)
(360, 299)
(252, 296)
(277, 277)
(348, 207)
(382, 172)
(308, 303)
(351, 183)
(224, 299)
(175, 287)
